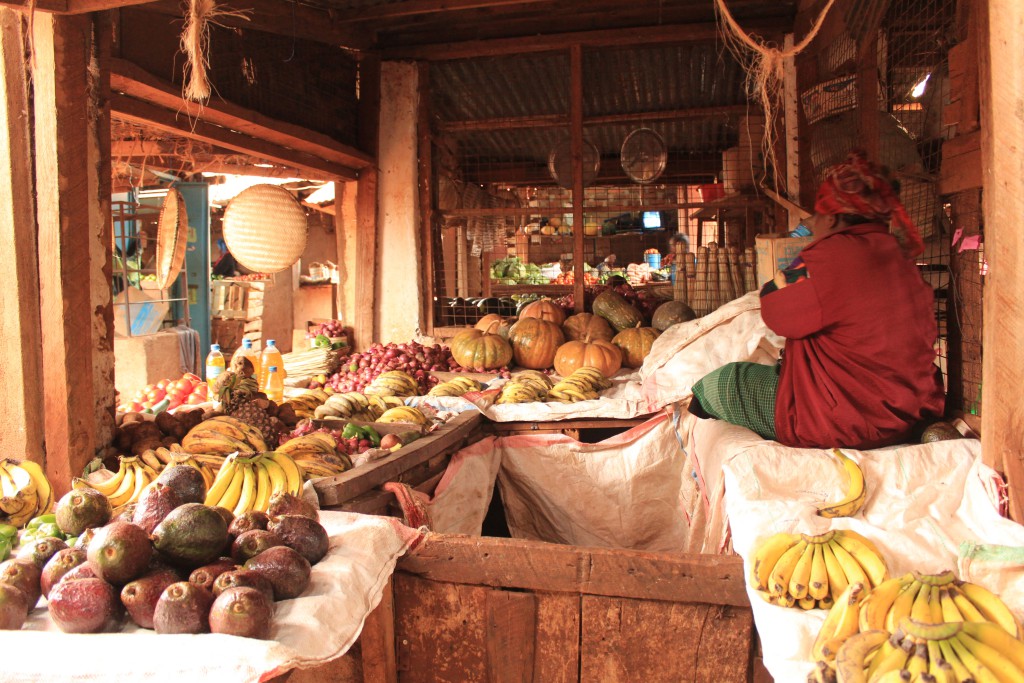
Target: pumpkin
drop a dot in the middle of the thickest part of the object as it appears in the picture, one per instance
(587, 327)
(480, 350)
(534, 342)
(485, 323)
(545, 309)
(635, 344)
(671, 313)
(614, 308)
(599, 354)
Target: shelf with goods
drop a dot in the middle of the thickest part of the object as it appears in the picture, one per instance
(236, 310)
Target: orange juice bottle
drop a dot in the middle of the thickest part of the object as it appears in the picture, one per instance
(271, 356)
(274, 388)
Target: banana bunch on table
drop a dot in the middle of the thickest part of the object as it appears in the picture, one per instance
(583, 384)
(394, 383)
(222, 435)
(457, 386)
(317, 454)
(25, 492)
(247, 482)
(355, 406)
(160, 458)
(304, 404)
(527, 386)
(125, 485)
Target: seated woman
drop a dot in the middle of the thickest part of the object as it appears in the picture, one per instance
(858, 368)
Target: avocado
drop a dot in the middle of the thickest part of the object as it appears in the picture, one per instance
(125, 513)
(244, 578)
(84, 539)
(206, 575)
(41, 550)
(119, 552)
(226, 514)
(254, 519)
(252, 543)
(242, 612)
(303, 535)
(82, 571)
(141, 595)
(59, 565)
(191, 535)
(155, 503)
(183, 608)
(23, 574)
(287, 571)
(186, 482)
(84, 606)
(13, 607)
(285, 503)
(82, 509)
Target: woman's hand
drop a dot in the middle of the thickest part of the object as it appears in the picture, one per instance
(779, 279)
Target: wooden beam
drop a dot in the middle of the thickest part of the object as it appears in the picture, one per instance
(562, 120)
(72, 6)
(408, 8)
(576, 144)
(21, 421)
(499, 562)
(377, 641)
(131, 80)
(428, 229)
(252, 169)
(365, 319)
(129, 109)
(559, 42)
(1002, 129)
(66, 229)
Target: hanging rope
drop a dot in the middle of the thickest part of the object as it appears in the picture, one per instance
(763, 63)
(195, 43)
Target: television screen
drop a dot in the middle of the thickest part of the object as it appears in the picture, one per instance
(652, 220)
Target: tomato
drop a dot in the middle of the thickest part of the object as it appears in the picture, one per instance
(202, 389)
(195, 399)
(148, 404)
(194, 379)
(156, 395)
(162, 384)
(174, 403)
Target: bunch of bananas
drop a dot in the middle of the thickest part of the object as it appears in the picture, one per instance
(160, 458)
(305, 403)
(317, 454)
(527, 386)
(246, 483)
(856, 491)
(403, 414)
(813, 571)
(583, 384)
(394, 383)
(951, 652)
(27, 492)
(123, 486)
(456, 386)
(223, 434)
(355, 406)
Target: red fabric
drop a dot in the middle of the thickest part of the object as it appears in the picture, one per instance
(858, 369)
(857, 187)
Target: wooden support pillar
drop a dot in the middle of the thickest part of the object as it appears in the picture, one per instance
(867, 96)
(21, 421)
(366, 301)
(73, 268)
(576, 137)
(1002, 125)
(429, 234)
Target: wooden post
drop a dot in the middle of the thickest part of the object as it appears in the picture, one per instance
(377, 641)
(21, 422)
(428, 231)
(576, 133)
(867, 96)
(1002, 125)
(365, 319)
(66, 110)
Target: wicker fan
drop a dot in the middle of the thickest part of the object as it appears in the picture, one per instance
(643, 155)
(560, 163)
(171, 237)
(265, 228)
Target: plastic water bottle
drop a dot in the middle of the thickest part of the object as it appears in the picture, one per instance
(271, 356)
(246, 351)
(214, 363)
(274, 388)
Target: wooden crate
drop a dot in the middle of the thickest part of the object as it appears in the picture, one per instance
(489, 609)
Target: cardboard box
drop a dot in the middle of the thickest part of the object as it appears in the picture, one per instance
(139, 310)
(775, 252)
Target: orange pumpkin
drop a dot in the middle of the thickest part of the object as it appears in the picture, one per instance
(635, 344)
(587, 327)
(545, 309)
(534, 342)
(599, 354)
(485, 323)
(480, 350)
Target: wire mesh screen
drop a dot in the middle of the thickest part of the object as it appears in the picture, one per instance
(671, 154)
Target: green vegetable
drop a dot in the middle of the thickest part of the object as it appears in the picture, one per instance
(371, 434)
(8, 531)
(322, 341)
(37, 522)
(49, 529)
(5, 548)
(71, 540)
(351, 430)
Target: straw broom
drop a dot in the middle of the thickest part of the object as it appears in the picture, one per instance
(749, 269)
(727, 291)
(714, 293)
(700, 285)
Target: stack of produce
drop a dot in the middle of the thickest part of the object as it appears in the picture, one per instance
(311, 362)
(123, 486)
(240, 398)
(167, 394)
(355, 406)
(307, 402)
(135, 434)
(583, 384)
(406, 414)
(161, 458)
(26, 492)
(193, 588)
(393, 383)
(247, 482)
(317, 454)
(644, 302)
(417, 360)
(324, 334)
(528, 386)
(457, 386)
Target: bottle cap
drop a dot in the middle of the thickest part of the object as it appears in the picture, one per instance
(272, 368)
(270, 342)
(215, 347)
(247, 343)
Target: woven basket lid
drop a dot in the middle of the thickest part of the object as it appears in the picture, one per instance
(265, 228)
(171, 238)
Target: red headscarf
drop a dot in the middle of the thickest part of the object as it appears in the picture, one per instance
(857, 187)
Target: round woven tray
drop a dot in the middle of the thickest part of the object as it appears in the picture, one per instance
(171, 237)
(265, 228)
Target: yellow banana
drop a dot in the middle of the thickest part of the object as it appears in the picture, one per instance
(124, 492)
(278, 478)
(921, 610)
(801, 577)
(879, 601)
(953, 659)
(979, 672)
(837, 582)
(990, 606)
(918, 662)
(851, 568)
(994, 636)
(234, 490)
(291, 470)
(766, 556)
(783, 570)
(850, 661)
(856, 492)
(840, 623)
(817, 588)
(142, 480)
(221, 482)
(247, 497)
(866, 554)
(1004, 668)
(43, 487)
(902, 606)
